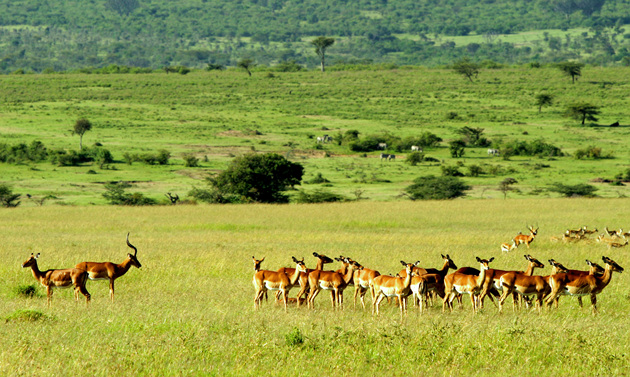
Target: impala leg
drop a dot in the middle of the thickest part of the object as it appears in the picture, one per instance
(111, 289)
(48, 295)
(285, 299)
(314, 294)
(377, 303)
(580, 301)
(474, 303)
(594, 303)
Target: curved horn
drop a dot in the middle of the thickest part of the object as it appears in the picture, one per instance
(131, 246)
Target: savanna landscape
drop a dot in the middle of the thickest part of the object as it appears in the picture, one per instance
(126, 129)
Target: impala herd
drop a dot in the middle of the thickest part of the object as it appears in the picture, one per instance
(424, 284)
(78, 276)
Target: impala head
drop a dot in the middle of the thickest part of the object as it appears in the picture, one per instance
(31, 261)
(558, 267)
(324, 259)
(132, 257)
(299, 264)
(484, 262)
(257, 263)
(595, 268)
(613, 265)
(409, 266)
(447, 259)
(535, 262)
(533, 231)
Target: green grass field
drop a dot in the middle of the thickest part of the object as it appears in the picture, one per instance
(189, 309)
(219, 115)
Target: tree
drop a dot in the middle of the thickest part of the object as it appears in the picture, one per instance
(436, 188)
(246, 64)
(457, 148)
(122, 7)
(466, 68)
(473, 136)
(321, 44)
(569, 191)
(81, 126)
(572, 69)
(7, 197)
(506, 185)
(258, 177)
(583, 111)
(543, 100)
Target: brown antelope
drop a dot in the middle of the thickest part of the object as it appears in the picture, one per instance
(457, 283)
(526, 286)
(303, 280)
(265, 280)
(362, 282)
(585, 285)
(594, 269)
(390, 286)
(424, 285)
(523, 239)
(611, 242)
(330, 281)
(415, 282)
(110, 271)
(588, 231)
(63, 278)
(506, 247)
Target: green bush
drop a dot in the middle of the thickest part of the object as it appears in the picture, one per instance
(414, 158)
(27, 315)
(318, 196)
(294, 338)
(190, 161)
(213, 196)
(591, 152)
(34, 152)
(451, 171)
(436, 188)
(26, 290)
(318, 179)
(115, 194)
(7, 198)
(570, 191)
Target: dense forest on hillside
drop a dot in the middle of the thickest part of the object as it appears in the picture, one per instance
(38, 35)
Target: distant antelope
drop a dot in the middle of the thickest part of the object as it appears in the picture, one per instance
(387, 157)
(521, 238)
(415, 148)
(493, 152)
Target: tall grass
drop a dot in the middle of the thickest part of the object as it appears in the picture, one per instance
(189, 309)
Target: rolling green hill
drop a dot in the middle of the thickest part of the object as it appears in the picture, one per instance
(37, 35)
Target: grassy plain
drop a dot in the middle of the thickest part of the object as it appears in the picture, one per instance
(189, 309)
(219, 115)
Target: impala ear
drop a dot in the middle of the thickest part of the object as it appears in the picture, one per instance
(295, 259)
(589, 262)
(417, 263)
(526, 257)
(491, 259)
(478, 260)
(442, 255)
(448, 256)
(403, 263)
(37, 256)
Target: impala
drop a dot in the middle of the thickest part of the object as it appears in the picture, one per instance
(390, 286)
(111, 271)
(265, 280)
(303, 279)
(521, 238)
(330, 281)
(594, 269)
(422, 286)
(526, 286)
(458, 283)
(363, 280)
(506, 247)
(59, 279)
(415, 282)
(584, 285)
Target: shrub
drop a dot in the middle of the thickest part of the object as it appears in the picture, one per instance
(591, 152)
(26, 290)
(7, 198)
(213, 196)
(190, 161)
(451, 171)
(318, 196)
(475, 170)
(578, 190)
(294, 338)
(318, 179)
(414, 158)
(436, 188)
(35, 152)
(457, 148)
(115, 194)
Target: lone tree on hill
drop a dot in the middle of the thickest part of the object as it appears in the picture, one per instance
(572, 69)
(321, 44)
(583, 111)
(466, 68)
(246, 64)
(81, 126)
(543, 100)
